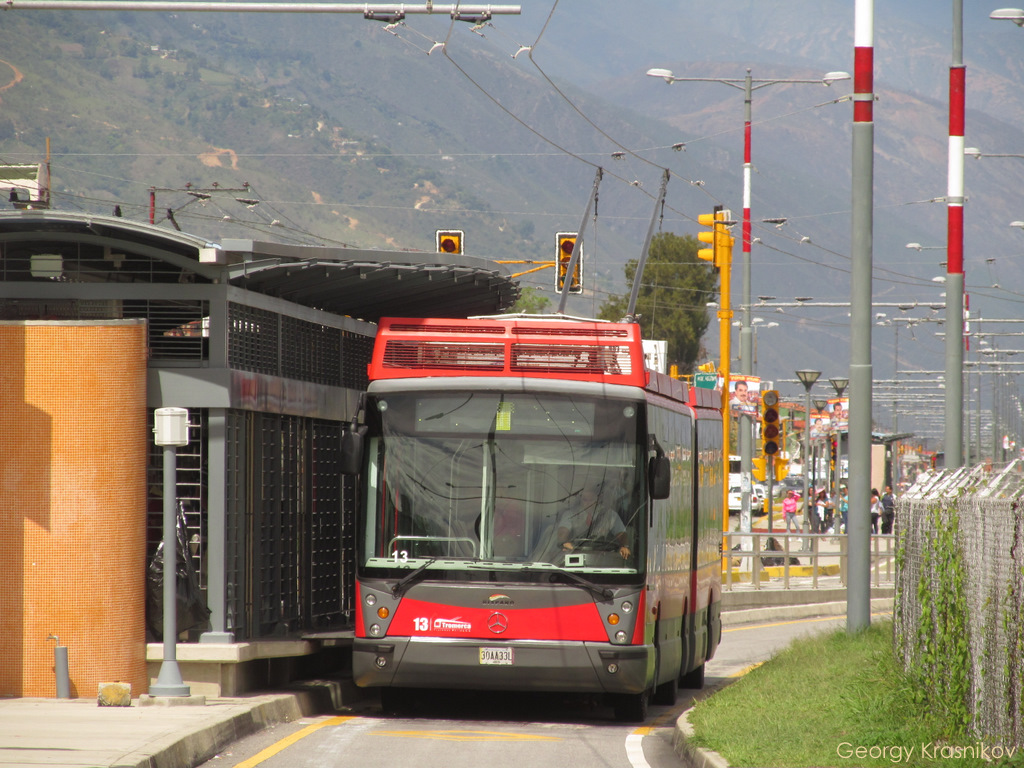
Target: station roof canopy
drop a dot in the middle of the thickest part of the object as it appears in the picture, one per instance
(360, 283)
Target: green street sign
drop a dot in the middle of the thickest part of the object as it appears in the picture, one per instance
(705, 380)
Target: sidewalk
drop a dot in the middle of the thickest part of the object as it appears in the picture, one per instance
(182, 733)
(168, 733)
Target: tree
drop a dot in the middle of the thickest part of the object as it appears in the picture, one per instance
(673, 297)
(532, 301)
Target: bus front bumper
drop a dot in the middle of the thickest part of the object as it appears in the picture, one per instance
(579, 667)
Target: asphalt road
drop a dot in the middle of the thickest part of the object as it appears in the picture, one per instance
(502, 730)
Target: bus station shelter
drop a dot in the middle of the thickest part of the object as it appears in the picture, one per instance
(102, 321)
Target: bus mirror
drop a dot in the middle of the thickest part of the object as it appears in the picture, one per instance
(659, 476)
(352, 450)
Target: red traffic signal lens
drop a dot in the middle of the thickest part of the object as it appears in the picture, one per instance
(770, 416)
(769, 431)
(566, 245)
(448, 245)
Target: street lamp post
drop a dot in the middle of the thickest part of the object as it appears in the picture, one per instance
(748, 85)
(807, 378)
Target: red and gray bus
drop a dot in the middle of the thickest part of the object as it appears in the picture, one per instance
(539, 512)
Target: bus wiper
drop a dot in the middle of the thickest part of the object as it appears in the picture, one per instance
(399, 589)
(604, 593)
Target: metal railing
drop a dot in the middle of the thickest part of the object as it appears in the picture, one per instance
(801, 560)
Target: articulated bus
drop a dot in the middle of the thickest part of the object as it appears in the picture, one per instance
(539, 512)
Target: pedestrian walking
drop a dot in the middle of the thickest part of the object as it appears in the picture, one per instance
(876, 509)
(888, 510)
(821, 504)
(789, 507)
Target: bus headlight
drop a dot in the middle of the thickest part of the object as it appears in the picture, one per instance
(620, 636)
(375, 630)
(627, 607)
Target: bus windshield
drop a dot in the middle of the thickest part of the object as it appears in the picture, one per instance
(527, 481)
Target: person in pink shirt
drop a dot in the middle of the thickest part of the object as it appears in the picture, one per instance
(789, 507)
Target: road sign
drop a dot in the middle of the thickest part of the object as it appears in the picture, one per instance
(705, 380)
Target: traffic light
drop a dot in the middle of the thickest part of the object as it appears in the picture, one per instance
(718, 237)
(760, 468)
(449, 240)
(781, 467)
(832, 457)
(771, 435)
(565, 244)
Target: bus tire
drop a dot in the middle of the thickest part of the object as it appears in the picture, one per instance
(694, 678)
(631, 707)
(667, 693)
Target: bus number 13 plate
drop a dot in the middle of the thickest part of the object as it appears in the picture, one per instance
(500, 656)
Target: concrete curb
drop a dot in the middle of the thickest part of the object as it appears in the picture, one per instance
(693, 757)
(796, 612)
(177, 750)
(241, 720)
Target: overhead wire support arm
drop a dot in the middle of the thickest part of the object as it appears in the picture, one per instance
(578, 247)
(457, 11)
(638, 276)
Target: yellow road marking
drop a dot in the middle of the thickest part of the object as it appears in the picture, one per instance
(466, 735)
(286, 742)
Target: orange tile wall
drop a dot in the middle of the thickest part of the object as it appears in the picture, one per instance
(73, 444)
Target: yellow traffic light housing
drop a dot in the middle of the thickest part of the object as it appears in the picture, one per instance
(781, 468)
(565, 244)
(449, 240)
(771, 432)
(717, 236)
(760, 468)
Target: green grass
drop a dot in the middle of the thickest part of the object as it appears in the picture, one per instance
(822, 699)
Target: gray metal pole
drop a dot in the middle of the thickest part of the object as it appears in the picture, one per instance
(808, 463)
(577, 250)
(858, 594)
(169, 682)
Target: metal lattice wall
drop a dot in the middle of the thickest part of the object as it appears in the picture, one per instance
(289, 526)
(192, 489)
(278, 345)
(963, 524)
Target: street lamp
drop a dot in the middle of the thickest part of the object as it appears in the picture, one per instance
(748, 85)
(977, 154)
(807, 378)
(1016, 15)
(839, 385)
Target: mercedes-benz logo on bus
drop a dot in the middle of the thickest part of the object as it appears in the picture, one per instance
(497, 623)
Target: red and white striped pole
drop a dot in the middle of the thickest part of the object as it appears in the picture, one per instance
(953, 442)
(858, 604)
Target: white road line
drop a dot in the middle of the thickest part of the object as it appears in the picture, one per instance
(635, 748)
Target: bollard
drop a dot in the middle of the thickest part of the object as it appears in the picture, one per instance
(60, 667)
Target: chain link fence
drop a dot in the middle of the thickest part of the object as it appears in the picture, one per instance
(960, 596)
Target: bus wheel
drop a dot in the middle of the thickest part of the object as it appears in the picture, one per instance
(693, 679)
(631, 707)
(667, 693)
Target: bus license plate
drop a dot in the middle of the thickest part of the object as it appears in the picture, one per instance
(499, 656)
